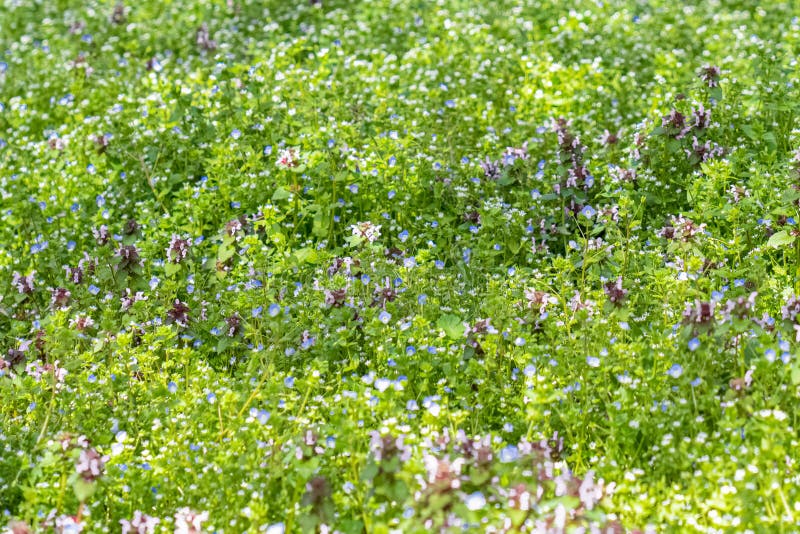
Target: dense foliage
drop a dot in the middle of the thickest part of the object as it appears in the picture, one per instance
(399, 266)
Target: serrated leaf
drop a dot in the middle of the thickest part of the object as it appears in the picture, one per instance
(452, 326)
(780, 239)
(225, 252)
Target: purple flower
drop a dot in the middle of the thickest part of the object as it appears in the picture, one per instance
(60, 297)
(203, 39)
(24, 284)
(128, 258)
(178, 249)
(614, 291)
(233, 323)
(101, 235)
(179, 314)
(710, 75)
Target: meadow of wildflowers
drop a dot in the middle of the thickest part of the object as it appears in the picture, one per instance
(399, 266)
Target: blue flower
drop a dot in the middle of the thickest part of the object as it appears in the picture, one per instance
(694, 344)
(262, 416)
(508, 454)
(273, 310)
(675, 371)
(288, 381)
(475, 501)
(384, 317)
(403, 236)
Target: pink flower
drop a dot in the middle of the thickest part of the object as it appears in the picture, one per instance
(188, 521)
(288, 158)
(90, 464)
(140, 524)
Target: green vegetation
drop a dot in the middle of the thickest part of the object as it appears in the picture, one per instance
(399, 266)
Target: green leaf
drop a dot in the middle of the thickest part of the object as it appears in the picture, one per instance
(83, 489)
(780, 239)
(452, 326)
(305, 255)
(172, 268)
(281, 194)
(796, 375)
(369, 472)
(225, 252)
(223, 343)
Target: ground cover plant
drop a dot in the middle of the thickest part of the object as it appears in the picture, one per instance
(399, 266)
